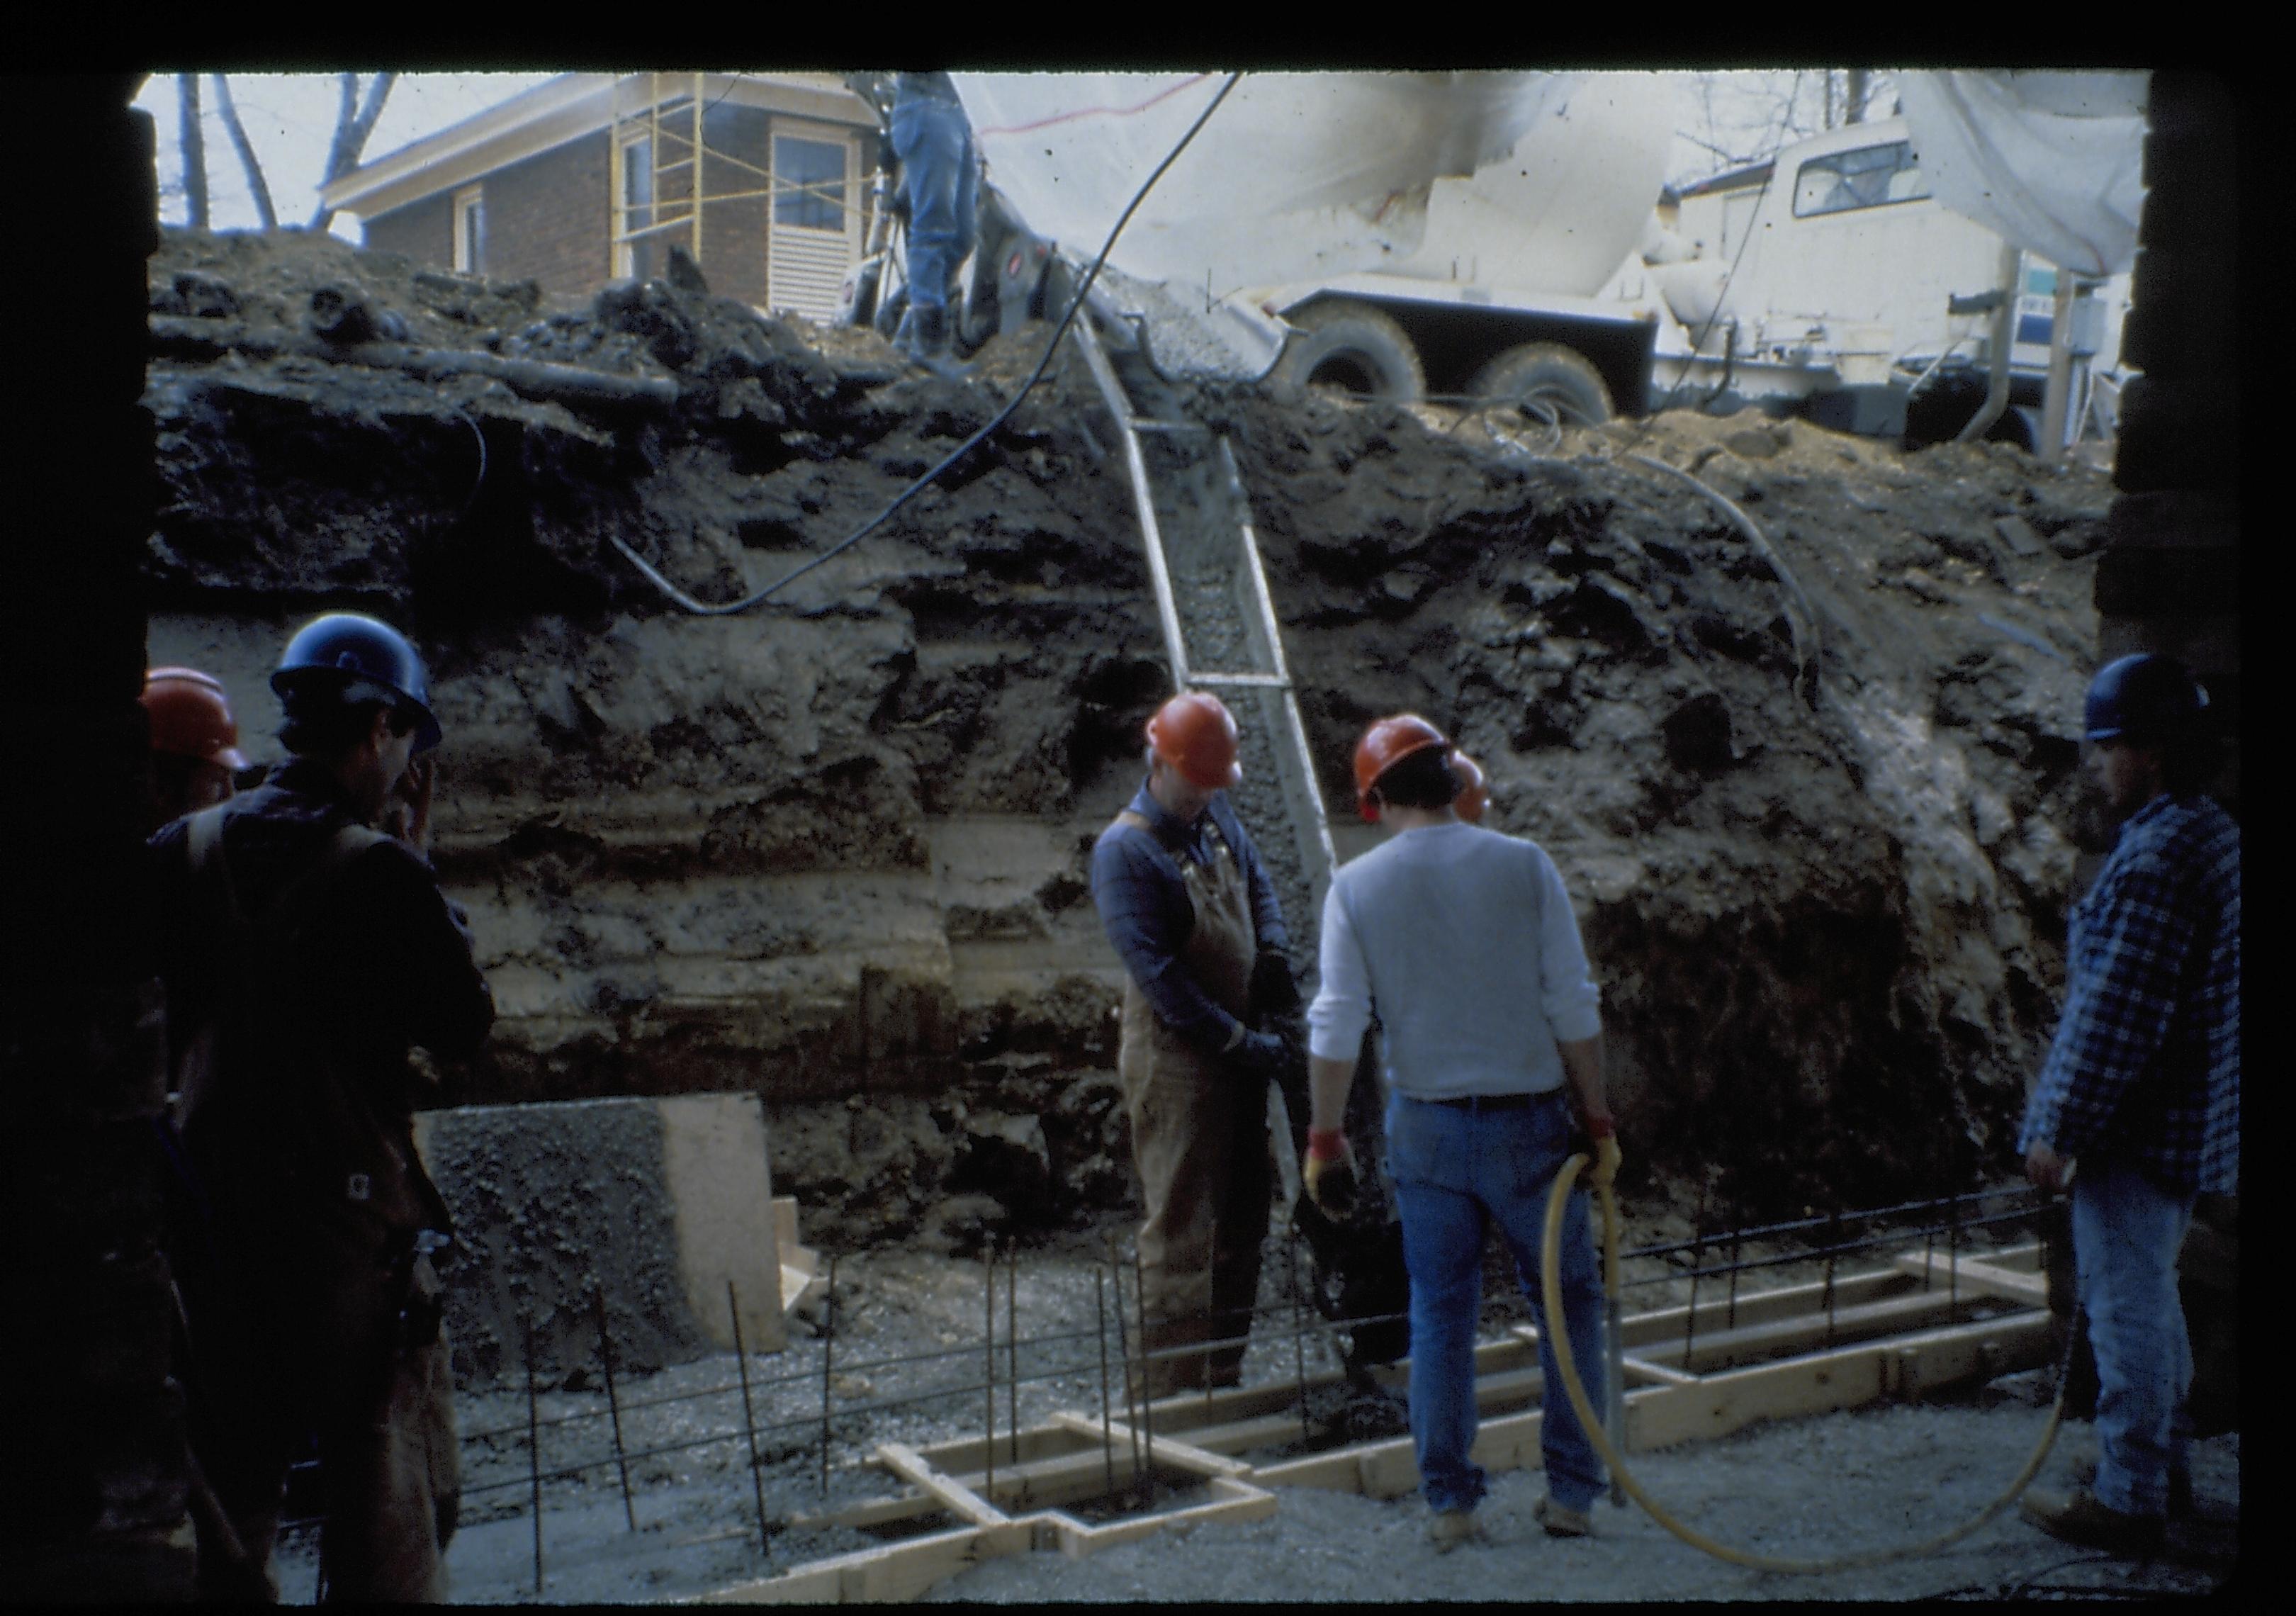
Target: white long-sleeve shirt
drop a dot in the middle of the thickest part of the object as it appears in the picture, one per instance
(1462, 943)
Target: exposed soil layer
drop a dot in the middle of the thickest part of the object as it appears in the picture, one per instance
(833, 850)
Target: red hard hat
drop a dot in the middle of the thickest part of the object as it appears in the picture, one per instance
(1195, 733)
(1474, 789)
(1385, 744)
(191, 717)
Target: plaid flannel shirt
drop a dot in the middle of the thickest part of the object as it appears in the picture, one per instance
(2145, 1065)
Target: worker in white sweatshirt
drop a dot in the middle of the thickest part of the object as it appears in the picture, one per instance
(1460, 942)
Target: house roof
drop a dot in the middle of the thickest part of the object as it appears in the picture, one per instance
(566, 108)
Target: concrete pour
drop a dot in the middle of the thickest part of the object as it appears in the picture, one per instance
(551, 1204)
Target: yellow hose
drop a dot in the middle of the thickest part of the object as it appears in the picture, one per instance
(1551, 1292)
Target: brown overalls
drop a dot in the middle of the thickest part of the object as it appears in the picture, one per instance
(1199, 1141)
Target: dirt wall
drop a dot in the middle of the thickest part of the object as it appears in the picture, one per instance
(834, 849)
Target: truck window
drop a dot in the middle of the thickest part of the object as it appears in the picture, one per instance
(1866, 177)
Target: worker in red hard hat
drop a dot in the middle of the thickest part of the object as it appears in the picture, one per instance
(194, 743)
(1461, 944)
(1192, 912)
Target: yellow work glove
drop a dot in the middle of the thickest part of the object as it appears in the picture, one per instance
(1606, 1154)
(1329, 1172)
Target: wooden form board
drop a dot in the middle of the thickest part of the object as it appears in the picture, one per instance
(1912, 1344)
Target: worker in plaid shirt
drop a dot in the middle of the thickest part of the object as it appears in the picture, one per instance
(2142, 1086)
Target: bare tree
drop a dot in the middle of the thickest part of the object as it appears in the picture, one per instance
(1861, 90)
(1741, 118)
(247, 159)
(195, 149)
(354, 122)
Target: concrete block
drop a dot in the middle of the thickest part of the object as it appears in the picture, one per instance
(655, 1203)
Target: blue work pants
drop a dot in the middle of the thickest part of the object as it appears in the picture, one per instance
(935, 145)
(2127, 1235)
(1457, 1171)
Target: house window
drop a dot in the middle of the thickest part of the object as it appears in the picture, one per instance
(634, 205)
(808, 184)
(471, 230)
(1866, 177)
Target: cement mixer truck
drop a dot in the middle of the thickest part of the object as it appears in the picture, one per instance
(1493, 236)
(1397, 234)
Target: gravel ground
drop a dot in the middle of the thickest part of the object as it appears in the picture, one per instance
(1804, 1489)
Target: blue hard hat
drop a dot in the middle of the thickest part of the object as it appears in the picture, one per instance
(365, 660)
(2142, 699)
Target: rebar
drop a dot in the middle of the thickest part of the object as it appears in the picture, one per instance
(1124, 1345)
(828, 1354)
(1107, 1435)
(1832, 1257)
(533, 1449)
(1204, 1359)
(1698, 1251)
(749, 1422)
(1952, 1265)
(1298, 1337)
(614, 1407)
(1012, 1350)
(1147, 1360)
(989, 1385)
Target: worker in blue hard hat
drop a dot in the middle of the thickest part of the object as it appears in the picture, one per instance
(2141, 1087)
(305, 947)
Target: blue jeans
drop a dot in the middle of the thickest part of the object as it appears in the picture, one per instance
(1455, 1171)
(934, 146)
(2127, 1234)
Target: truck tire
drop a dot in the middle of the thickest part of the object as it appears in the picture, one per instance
(1540, 377)
(1351, 348)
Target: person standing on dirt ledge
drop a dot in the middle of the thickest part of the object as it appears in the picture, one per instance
(1461, 941)
(2141, 1088)
(1191, 911)
(304, 952)
(934, 142)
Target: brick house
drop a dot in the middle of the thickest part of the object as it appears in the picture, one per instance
(591, 177)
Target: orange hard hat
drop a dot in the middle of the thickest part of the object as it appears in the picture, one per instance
(1195, 733)
(1474, 789)
(1385, 744)
(191, 716)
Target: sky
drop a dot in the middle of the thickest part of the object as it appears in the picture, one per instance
(1724, 118)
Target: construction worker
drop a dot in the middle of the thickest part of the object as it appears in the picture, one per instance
(304, 952)
(194, 743)
(1462, 943)
(1195, 918)
(2141, 1088)
(934, 142)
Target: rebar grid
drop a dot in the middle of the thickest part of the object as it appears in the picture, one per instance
(1288, 1319)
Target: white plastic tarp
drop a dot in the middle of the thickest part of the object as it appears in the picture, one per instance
(2051, 161)
(1296, 175)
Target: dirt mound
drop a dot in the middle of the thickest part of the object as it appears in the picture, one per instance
(834, 847)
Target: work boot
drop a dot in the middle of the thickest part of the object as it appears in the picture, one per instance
(2180, 1488)
(1448, 1529)
(1561, 1521)
(930, 346)
(2082, 1521)
(931, 332)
